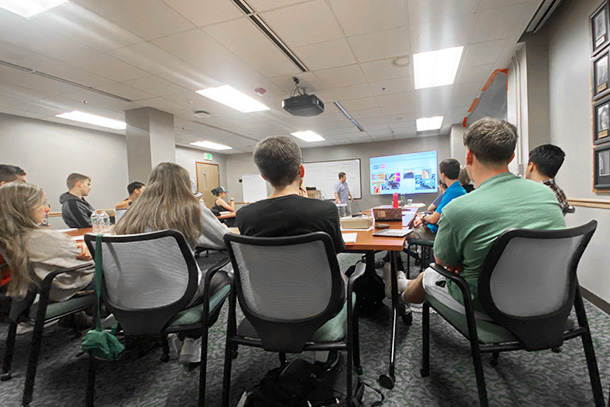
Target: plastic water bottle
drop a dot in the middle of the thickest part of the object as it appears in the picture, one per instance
(96, 222)
(105, 222)
(395, 200)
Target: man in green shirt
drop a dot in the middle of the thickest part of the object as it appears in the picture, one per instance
(471, 223)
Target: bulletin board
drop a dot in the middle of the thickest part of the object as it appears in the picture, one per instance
(325, 174)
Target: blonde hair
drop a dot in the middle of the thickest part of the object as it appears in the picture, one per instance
(17, 201)
(166, 203)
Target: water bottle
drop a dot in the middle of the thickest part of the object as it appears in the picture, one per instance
(96, 223)
(395, 200)
(105, 221)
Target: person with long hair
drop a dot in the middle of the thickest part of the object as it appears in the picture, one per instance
(168, 203)
(34, 251)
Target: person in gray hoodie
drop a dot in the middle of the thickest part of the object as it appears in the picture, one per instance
(75, 210)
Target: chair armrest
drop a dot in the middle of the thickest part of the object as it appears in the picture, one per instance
(421, 242)
(457, 279)
(208, 279)
(358, 272)
(45, 286)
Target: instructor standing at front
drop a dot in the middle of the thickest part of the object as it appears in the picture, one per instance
(342, 192)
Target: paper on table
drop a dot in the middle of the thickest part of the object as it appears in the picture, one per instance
(350, 238)
(66, 230)
(79, 237)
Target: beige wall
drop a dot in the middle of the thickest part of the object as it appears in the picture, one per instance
(569, 56)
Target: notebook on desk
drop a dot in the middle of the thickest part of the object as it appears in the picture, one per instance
(393, 232)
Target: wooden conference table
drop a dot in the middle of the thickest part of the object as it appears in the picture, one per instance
(368, 244)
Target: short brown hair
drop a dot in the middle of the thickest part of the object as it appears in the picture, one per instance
(74, 178)
(278, 158)
(492, 141)
(341, 175)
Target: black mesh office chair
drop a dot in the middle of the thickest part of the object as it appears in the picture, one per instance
(149, 282)
(292, 294)
(46, 312)
(528, 286)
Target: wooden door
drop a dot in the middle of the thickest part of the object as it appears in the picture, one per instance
(208, 178)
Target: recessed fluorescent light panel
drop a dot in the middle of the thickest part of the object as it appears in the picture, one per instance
(308, 136)
(211, 145)
(233, 98)
(436, 68)
(93, 119)
(429, 123)
(29, 8)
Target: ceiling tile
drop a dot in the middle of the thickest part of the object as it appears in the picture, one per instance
(483, 53)
(96, 100)
(441, 34)
(272, 64)
(404, 99)
(24, 57)
(125, 91)
(389, 86)
(159, 19)
(155, 86)
(381, 44)
(205, 12)
(489, 4)
(476, 73)
(150, 58)
(162, 104)
(342, 76)
(496, 24)
(241, 37)
(109, 67)
(195, 47)
(345, 93)
(364, 16)
(304, 24)
(433, 10)
(384, 69)
(306, 80)
(359, 104)
(75, 74)
(263, 5)
(325, 54)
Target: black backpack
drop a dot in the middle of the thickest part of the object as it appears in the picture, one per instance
(303, 384)
(369, 289)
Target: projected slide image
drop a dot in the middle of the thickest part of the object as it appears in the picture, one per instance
(404, 174)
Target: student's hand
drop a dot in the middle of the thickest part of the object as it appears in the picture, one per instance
(84, 254)
(351, 198)
(455, 269)
(418, 221)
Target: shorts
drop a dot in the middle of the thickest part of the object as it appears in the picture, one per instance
(435, 285)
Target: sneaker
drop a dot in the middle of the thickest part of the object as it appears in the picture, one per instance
(175, 345)
(419, 308)
(401, 279)
(191, 351)
(28, 326)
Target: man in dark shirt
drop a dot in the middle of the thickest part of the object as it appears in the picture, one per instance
(75, 210)
(285, 212)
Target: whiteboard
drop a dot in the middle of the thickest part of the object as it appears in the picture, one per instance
(325, 174)
(254, 187)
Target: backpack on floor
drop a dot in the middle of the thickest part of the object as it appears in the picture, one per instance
(303, 384)
(369, 289)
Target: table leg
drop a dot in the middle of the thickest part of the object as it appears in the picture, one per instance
(387, 380)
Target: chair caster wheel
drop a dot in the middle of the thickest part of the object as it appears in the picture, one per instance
(6, 376)
(424, 372)
(234, 354)
(164, 358)
(493, 362)
(407, 319)
(359, 370)
(386, 381)
(556, 350)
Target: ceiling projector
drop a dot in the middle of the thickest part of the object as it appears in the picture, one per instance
(302, 104)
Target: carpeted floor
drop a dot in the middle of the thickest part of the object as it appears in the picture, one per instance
(520, 379)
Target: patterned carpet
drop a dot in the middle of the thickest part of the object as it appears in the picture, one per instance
(520, 379)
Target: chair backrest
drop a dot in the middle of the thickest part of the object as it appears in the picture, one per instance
(148, 278)
(528, 282)
(288, 287)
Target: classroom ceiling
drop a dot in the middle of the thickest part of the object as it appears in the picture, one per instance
(108, 56)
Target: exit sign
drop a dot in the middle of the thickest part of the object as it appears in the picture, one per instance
(207, 156)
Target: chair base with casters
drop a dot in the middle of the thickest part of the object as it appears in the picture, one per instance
(335, 331)
(508, 332)
(46, 312)
(172, 256)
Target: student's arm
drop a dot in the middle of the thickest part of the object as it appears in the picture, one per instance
(230, 207)
(350, 195)
(337, 198)
(213, 230)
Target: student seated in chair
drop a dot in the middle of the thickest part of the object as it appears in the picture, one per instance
(544, 163)
(134, 189)
(31, 247)
(75, 210)
(10, 173)
(469, 225)
(286, 212)
(168, 203)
